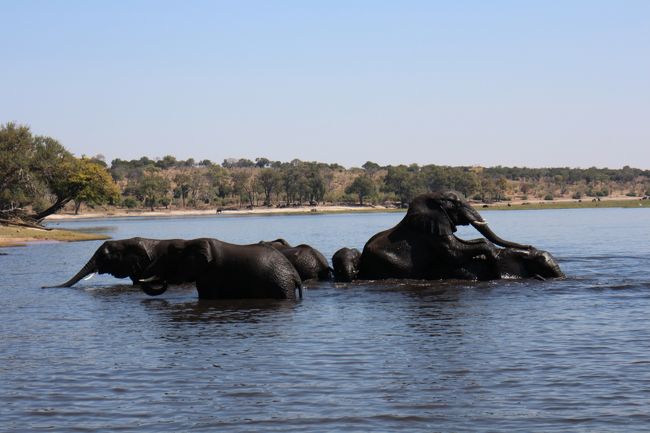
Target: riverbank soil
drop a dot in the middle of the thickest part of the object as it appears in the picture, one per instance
(11, 236)
(619, 201)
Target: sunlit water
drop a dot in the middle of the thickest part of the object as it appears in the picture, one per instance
(569, 355)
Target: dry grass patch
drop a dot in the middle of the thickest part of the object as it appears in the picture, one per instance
(13, 235)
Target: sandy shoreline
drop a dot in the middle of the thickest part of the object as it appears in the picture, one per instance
(15, 236)
(162, 213)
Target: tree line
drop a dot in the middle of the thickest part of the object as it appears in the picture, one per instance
(39, 174)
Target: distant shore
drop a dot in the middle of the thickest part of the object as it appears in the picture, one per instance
(620, 201)
(16, 236)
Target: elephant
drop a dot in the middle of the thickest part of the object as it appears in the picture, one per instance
(423, 245)
(346, 264)
(514, 263)
(308, 261)
(122, 258)
(224, 271)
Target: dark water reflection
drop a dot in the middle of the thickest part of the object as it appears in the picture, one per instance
(570, 355)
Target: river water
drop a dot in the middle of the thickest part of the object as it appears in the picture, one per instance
(566, 355)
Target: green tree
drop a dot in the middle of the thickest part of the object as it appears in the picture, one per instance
(404, 182)
(245, 185)
(269, 180)
(96, 185)
(363, 186)
(219, 180)
(152, 188)
(183, 187)
(16, 155)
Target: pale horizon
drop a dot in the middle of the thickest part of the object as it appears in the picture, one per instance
(459, 84)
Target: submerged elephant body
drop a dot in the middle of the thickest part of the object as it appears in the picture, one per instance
(310, 263)
(346, 264)
(513, 263)
(423, 246)
(225, 271)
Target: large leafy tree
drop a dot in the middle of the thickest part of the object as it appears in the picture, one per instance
(16, 155)
(39, 172)
(363, 186)
(269, 180)
(153, 188)
(96, 184)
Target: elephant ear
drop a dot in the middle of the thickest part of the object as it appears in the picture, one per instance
(444, 227)
(146, 248)
(432, 219)
(202, 253)
(137, 256)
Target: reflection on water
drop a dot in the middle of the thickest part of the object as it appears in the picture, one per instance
(566, 355)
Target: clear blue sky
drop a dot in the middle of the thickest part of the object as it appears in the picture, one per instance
(526, 83)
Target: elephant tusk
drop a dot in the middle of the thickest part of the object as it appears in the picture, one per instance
(90, 276)
(149, 280)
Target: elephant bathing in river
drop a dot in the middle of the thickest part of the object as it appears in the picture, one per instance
(309, 262)
(122, 258)
(224, 271)
(346, 264)
(423, 246)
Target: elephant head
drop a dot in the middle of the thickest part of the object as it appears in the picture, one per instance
(120, 258)
(438, 213)
(346, 264)
(531, 263)
(180, 262)
(278, 244)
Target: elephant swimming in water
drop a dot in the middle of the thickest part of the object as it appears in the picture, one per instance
(309, 262)
(125, 258)
(224, 271)
(423, 246)
(346, 264)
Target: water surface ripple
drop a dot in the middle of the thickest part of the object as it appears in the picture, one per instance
(569, 355)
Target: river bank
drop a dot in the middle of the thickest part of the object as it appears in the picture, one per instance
(13, 236)
(606, 202)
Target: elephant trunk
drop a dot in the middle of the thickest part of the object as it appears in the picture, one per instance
(88, 268)
(485, 230)
(151, 275)
(146, 287)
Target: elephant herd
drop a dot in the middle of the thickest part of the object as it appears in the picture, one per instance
(421, 246)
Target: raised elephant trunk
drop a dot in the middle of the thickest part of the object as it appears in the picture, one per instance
(88, 268)
(485, 230)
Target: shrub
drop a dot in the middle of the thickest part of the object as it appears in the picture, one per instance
(130, 202)
(548, 197)
(577, 195)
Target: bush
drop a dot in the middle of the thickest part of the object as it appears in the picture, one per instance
(577, 195)
(548, 197)
(630, 194)
(130, 202)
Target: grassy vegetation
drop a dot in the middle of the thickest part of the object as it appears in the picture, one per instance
(585, 204)
(15, 236)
